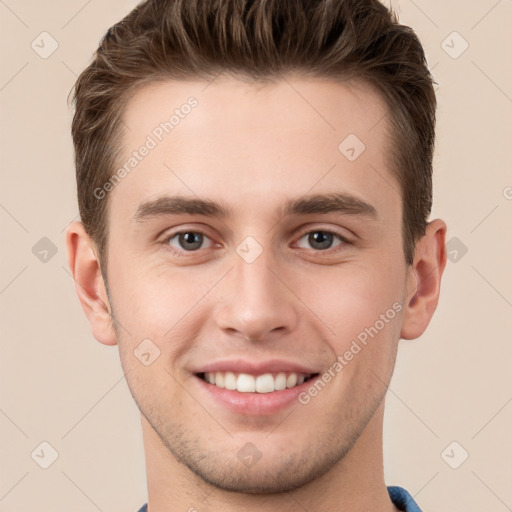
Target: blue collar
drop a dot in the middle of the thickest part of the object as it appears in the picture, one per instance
(402, 499)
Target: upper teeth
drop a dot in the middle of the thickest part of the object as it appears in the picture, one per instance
(245, 383)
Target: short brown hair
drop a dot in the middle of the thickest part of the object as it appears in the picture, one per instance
(258, 40)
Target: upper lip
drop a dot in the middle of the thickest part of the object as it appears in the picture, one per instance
(254, 367)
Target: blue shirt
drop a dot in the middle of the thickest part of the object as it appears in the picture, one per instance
(399, 496)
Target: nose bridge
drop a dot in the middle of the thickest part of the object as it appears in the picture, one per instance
(257, 281)
(258, 302)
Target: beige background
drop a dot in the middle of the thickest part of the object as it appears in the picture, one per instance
(61, 386)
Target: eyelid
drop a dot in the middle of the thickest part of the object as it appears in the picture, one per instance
(169, 236)
(304, 231)
(333, 251)
(170, 232)
(313, 229)
(182, 253)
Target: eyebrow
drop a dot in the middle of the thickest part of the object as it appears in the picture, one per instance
(312, 204)
(327, 203)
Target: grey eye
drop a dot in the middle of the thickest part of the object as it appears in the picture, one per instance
(320, 240)
(187, 240)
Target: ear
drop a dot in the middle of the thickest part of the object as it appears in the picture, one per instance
(85, 266)
(424, 280)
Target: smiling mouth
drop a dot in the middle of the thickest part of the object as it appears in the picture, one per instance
(263, 383)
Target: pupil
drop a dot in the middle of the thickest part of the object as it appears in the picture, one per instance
(323, 240)
(194, 239)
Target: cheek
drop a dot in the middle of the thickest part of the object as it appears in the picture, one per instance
(159, 304)
(362, 307)
(356, 303)
(155, 299)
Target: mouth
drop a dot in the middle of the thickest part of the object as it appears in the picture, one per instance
(253, 388)
(262, 383)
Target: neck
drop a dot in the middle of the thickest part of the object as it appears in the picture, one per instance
(356, 483)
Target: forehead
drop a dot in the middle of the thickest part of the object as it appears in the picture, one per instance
(255, 142)
(290, 104)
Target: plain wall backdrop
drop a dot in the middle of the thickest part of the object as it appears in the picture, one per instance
(451, 394)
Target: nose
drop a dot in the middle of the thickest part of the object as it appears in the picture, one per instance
(256, 301)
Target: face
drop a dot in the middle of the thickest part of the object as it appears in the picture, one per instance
(256, 245)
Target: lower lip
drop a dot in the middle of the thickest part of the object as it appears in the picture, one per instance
(254, 404)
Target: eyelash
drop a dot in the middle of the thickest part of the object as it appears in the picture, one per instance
(344, 241)
(330, 250)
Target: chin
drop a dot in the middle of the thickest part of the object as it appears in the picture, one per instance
(271, 475)
(262, 480)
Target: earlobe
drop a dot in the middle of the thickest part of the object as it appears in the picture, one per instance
(85, 268)
(424, 281)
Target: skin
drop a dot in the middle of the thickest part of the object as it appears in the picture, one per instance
(253, 148)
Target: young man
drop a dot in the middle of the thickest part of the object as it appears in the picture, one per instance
(254, 183)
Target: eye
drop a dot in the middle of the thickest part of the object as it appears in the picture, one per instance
(187, 240)
(321, 240)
